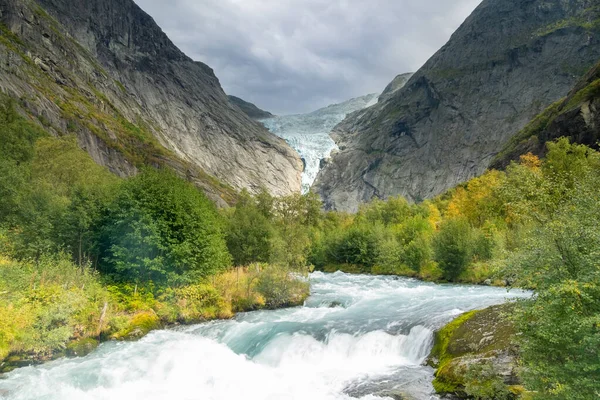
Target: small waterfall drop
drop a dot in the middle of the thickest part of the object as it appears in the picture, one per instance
(354, 335)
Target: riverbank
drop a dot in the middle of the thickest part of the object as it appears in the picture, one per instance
(484, 274)
(55, 309)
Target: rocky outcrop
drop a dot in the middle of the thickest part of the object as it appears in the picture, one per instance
(398, 83)
(505, 64)
(476, 356)
(250, 109)
(576, 117)
(104, 71)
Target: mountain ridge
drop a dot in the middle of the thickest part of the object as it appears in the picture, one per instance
(105, 72)
(505, 64)
(250, 109)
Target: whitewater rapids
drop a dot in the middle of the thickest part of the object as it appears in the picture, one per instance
(356, 337)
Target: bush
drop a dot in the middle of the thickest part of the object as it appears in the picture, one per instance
(453, 247)
(46, 304)
(280, 288)
(162, 229)
(359, 246)
(249, 233)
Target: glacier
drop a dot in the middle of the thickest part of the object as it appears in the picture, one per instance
(308, 134)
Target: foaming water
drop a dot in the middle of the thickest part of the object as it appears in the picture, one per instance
(356, 337)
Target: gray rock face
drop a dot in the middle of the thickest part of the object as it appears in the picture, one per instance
(505, 64)
(576, 117)
(249, 109)
(398, 83)
(308, 133)
(103, 69)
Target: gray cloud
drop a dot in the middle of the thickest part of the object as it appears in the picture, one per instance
(290, 56)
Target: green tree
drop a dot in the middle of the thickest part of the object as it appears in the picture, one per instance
(249, 231)
(359, 245)
(452, 247)
(560, 325)
(172, 225)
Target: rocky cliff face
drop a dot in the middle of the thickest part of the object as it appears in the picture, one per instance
(577, 117)
(249, 109)
(103, 70)
(505, 64)
(398, 83)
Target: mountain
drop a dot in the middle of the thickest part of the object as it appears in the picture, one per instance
(577, 117)
(105, 72)
(249, 109)
(308, 133)
(398, 83)
(507, 62)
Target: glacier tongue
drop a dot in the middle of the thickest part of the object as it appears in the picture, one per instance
(308, 134)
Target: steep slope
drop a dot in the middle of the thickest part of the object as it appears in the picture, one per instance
(249, 109)
(309, 133)
(576, 117)
(103, 70)
(398, 83)
(504, 65)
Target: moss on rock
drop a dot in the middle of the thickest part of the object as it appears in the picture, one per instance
(475, 356)
(82, 347)
(139, 326)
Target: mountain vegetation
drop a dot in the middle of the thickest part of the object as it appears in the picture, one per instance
(104, 72)
(87, 256)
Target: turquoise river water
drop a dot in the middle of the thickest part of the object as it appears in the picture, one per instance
(356, 337)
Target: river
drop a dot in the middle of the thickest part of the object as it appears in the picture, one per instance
(356, 336)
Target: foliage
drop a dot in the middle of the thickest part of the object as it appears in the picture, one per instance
(453, 247)
(560, 326)
(483, 382)
(250, 232)
(162, 229)
(279, 288)
(86, 255)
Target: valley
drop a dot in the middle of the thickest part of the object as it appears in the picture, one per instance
(163, 238)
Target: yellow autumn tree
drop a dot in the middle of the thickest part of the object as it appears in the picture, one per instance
(477, 202)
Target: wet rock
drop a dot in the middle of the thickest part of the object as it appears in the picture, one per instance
(479, 343)
(82, 347)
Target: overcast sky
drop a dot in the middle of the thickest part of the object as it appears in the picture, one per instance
(292, 56)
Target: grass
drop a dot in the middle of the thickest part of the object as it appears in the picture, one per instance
(54, 308)
(581, 22)
(587, 93)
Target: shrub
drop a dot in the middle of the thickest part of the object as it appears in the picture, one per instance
(453, 247)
